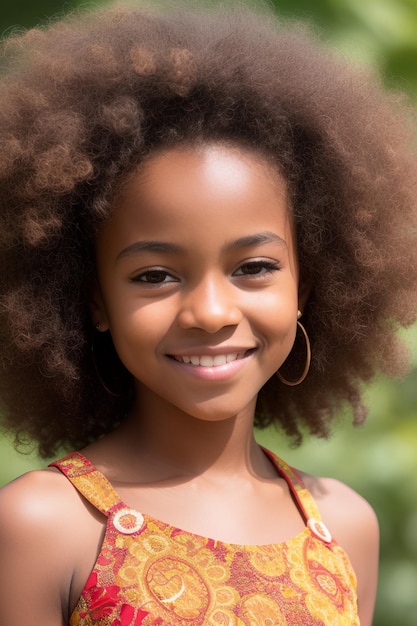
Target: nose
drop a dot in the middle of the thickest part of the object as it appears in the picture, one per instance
(210, 305)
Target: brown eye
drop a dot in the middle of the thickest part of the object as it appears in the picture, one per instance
(254, 268)
(154, 277)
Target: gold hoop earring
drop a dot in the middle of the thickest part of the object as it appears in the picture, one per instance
(294, 383)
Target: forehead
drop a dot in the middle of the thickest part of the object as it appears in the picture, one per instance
(197, 191)
(220, 164)
(225, 170)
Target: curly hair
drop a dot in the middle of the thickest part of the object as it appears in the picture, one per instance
(86, 99)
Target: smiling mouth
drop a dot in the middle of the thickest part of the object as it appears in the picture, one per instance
(206, 360)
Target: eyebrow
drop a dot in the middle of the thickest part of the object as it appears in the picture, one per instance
(150, 246)
(256, 239)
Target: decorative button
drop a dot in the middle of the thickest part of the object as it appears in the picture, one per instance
(319, 529)
(128, 521)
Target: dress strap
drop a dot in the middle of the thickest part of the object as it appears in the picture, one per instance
(95, 488)
(304, 499)
(91, 483)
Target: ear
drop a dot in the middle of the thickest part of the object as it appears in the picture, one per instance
(305, 286)
(98, 311)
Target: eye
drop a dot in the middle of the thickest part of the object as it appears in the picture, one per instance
(257, 268)
(154, 276)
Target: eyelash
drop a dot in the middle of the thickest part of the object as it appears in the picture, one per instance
(268, 266)
(148, 273)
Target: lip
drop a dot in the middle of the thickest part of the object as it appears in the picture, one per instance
(213, 372)
(210, 360)
(211, 350)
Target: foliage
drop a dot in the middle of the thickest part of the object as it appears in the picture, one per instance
(380, 459)
(380, 32)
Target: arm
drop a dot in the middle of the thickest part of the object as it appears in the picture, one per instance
(35, 573)
(363, 552)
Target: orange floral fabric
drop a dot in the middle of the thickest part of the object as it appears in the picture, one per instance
(150, 573)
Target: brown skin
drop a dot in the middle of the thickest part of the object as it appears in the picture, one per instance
(206, 301)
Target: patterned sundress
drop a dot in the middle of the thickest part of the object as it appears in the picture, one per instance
(151, 573)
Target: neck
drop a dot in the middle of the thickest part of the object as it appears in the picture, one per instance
(165, 442)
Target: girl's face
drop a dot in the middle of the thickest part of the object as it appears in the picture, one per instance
(198, 280)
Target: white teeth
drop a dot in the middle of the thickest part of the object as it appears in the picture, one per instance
(210, 361)
(220, 359)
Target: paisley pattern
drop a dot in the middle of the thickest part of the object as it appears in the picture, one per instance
(150, 573)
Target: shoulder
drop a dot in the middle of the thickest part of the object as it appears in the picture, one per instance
(42, 507)
(37, 546)
(33, 499)
(39, 500)
(35, 511)
(353, 523)
(349, 517)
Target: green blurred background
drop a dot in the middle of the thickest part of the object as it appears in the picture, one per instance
(379, 460)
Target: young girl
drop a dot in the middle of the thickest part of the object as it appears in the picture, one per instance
(189, 200)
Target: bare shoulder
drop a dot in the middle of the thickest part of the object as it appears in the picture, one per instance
(37, 547)
(33, 497)
(353, 523)
(348, 515)
(41, 502)
(42, 509)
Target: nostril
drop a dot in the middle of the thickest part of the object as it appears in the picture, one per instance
(208, 319)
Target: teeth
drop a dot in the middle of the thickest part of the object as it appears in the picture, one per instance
(210, 361)
(220, 359)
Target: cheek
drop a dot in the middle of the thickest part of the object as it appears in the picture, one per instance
(277, 310)
(138, 332)
(277, 322)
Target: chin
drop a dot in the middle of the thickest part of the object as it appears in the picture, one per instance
(222, 413)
